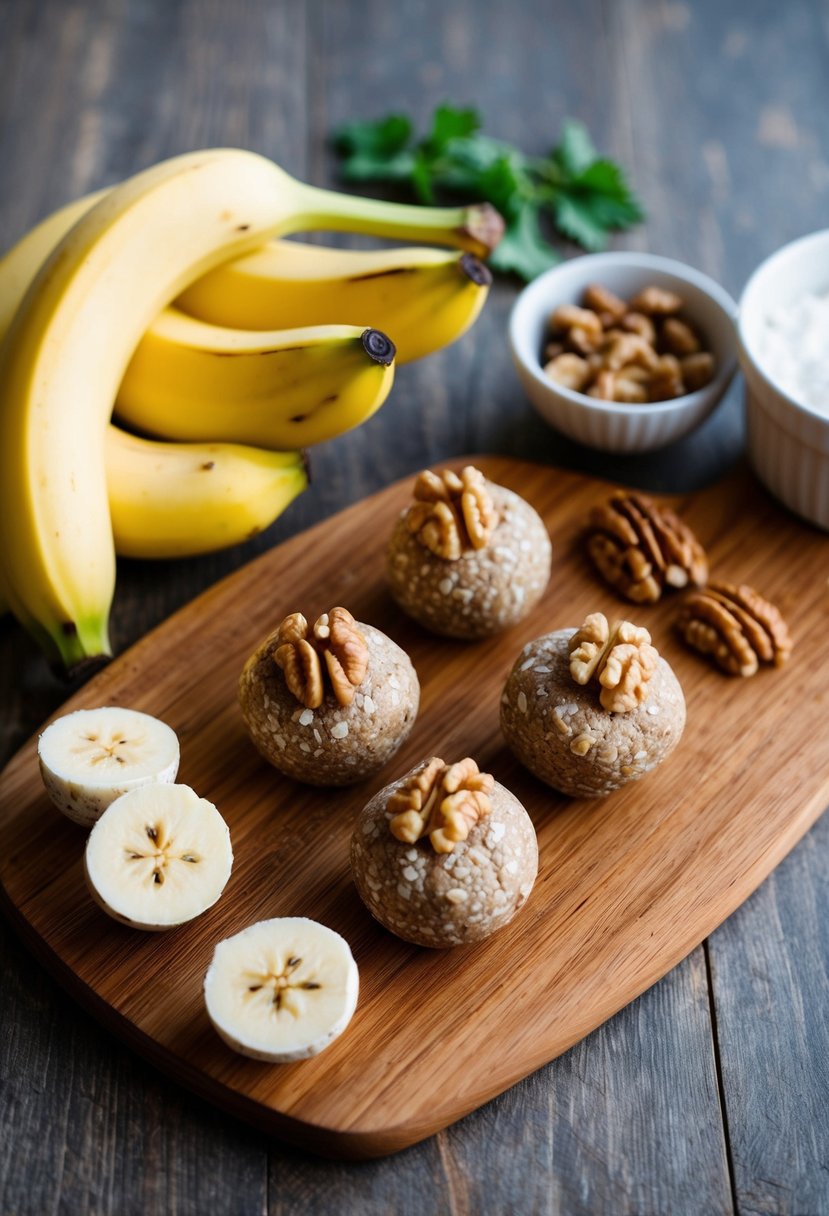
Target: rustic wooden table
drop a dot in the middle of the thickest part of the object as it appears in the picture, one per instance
(709, 1093)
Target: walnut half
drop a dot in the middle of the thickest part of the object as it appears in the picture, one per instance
(336, 641)
(441, 801)
(640, 548)
(452, 512)
(736, 627)
(620, 658)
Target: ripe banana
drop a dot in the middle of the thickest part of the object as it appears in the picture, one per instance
(77, 328)
(177, 499)
(92, 756)
(158, 856)
(20, 264)
(281, 989)
(286, 389)
(167, 500)
(423, 298)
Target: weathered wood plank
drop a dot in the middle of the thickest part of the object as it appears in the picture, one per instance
(770, 971)
(765, 155)
(86, 1127)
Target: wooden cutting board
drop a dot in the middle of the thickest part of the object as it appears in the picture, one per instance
(627, 885)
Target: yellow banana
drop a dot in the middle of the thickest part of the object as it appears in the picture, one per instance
(77, 328)
(179, 499)
(423, 298)
(287, 389)
(21, 263)
(167, 499)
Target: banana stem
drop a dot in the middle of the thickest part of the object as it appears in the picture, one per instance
(74, 651)
(477, 228)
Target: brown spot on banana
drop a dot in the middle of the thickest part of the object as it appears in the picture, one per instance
(380, 274)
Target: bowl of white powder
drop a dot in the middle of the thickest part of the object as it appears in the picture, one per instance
(783, 330)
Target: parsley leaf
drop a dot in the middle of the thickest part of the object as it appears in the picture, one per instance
(574, 152)
(573, 190)
(522, 249)
(376, 151)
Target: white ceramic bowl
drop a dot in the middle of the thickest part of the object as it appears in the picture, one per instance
(614, 426)
(788, 441)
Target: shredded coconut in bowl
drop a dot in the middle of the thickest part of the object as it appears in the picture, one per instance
(795, 349)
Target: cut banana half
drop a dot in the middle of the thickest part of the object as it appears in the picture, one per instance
(159, 856)
(92, 756)
(282, 989)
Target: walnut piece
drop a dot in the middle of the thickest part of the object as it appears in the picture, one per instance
(638, 323)
(679, 337)
(656, 301)
(452, 512)
(619, 657)
(666, 381)
(640, 548)
(335, 639)
(569, 370)
(570, 316)
(697, 370)
(345, 653)
(603, 301)
(736, 626)
(303, 672)
(441, 801)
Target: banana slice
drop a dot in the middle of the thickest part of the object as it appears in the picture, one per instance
(281, 989)
(158, 856)
(92, 756)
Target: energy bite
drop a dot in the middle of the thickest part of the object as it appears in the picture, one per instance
(444, 856)
(589, 710)
(467, 557)
(328, 705)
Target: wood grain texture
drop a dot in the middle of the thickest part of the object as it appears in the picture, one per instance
(772, 958)
(93, 88)
(627, 885)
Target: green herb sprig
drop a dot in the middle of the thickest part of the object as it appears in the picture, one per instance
(583, 195)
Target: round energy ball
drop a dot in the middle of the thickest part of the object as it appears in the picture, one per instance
(451, 898)
(562, 733)
(319, 739)
(458, 588)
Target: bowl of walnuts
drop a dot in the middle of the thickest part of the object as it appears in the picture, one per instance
(625, 352)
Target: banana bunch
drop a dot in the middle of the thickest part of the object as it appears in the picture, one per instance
(168, 300)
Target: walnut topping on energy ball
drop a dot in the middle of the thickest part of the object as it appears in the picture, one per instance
(467, 557)
(441, 801)
(336, 640)
(620, 659)
(444, 856)
(451, 512)
(329, 705)
(589, 710)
